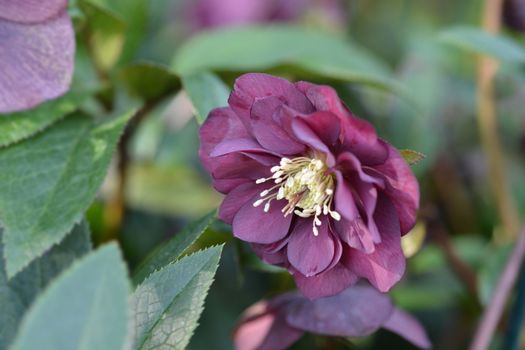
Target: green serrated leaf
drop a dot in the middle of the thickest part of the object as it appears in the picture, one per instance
(48, 181)
(167, 305)
(411, 157)
(479, 41)
(149, 80)
(18, 126)
(206, 91)
(84, 308)
(18, 293)
(105, 31)
(172, 250)
(259, 48)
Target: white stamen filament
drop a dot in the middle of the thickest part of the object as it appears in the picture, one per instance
(307, 185)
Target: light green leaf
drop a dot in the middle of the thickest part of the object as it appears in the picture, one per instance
(171, 250)
(21, 125)
(18, 293)
(479, 41)
(135, 14)
(167, 305)
(48, 181)
(149, 80)
(84, 308)
(106, 34)
(261, 48)
(206, 91)
(411, 157)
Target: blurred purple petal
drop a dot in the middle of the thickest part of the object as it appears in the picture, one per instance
(264, 328)
(408, 327)
(326, 283)
(30, 11)
(357, 311)
(36, 62)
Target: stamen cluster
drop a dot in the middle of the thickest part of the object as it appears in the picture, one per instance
(307, 185)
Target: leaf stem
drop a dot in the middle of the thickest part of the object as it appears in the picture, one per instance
(491, 315)
(488, 127)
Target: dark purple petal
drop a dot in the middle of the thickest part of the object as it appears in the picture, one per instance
(36, 61)
(327, 283)
(355, 234)
(368, 195)
(252, 224)
(264, 328)
(408, 327)
(268, 132)
(351, 164)
(359, 137)
(402, 188)
(326, 125)
(386, 265)
(30, 11)
(235, 165)
(344, 199)
(305, 134)
(234, 200)
(308, 253)
(252, 86)
(222, 124)
(357, 311)
(227, 185)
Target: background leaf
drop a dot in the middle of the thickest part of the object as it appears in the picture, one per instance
(170, 251)
(479, 41)
(149, 80)
(261, 48)
(17, 294)
(67, 317)
(206, 91)
(48, 181)
(167, 305)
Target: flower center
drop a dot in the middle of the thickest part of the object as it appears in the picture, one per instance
(306, 184)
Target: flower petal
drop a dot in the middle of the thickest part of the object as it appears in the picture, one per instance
(36, 61)
(326, 125)
(357, 311)
(327, 283)
(402, 187)
(266, 330)
(252, 86)
(234, 200)
(30, 11)
(305, 134)
(408, 327)
(271, 135)
(386, 265)
(359, 137)
(344, 199)
(355, 234)
(308, 253)
(252, 224)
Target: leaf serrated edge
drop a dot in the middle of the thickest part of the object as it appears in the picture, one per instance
(216, 246)
(80, 216)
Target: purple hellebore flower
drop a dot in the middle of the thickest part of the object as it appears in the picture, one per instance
(218, 13)
(309, 185)
(358, 311)
(37, 45)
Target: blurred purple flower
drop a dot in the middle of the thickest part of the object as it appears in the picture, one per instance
(309, 185)
(358, 311)
(37, 45)
(218, 13)
(514, 14)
